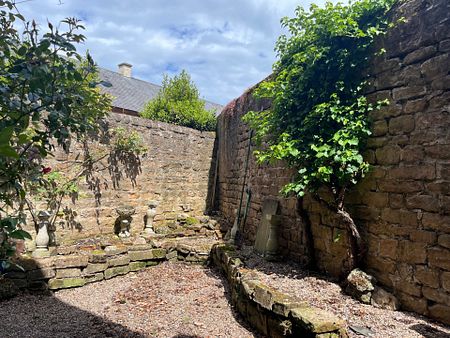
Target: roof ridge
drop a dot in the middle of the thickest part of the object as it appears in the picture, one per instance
(132, 78)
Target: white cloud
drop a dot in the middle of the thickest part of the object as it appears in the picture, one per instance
(226, 46)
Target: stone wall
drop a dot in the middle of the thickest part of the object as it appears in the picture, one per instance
(175, 171)
(403, 205)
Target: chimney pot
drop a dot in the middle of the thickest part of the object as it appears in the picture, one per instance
(125, 69)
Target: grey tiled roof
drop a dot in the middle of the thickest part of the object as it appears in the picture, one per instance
(132, 94)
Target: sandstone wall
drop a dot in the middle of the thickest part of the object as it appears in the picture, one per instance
(403, 205)
(174, 171)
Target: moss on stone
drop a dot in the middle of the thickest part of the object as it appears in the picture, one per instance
(192, 220)
(56, 283)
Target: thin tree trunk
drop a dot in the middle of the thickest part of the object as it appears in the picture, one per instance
(356, 243)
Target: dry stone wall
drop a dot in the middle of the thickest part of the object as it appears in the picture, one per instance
(403, 205)
(174, 171)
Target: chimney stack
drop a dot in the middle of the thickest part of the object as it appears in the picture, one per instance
(125, 69)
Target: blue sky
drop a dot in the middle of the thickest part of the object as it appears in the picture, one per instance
(226, 46)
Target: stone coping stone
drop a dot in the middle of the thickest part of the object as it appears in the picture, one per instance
(268, 309)
(62, 262)
(316, 320)
(113, 250)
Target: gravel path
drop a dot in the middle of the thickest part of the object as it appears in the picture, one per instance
(169, 300)
(327, 295)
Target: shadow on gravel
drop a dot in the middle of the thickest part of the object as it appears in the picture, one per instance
(39, 316)
(428, 331)
(215, 273)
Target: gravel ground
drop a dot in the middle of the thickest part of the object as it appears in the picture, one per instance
(327, 295)
(169, 300)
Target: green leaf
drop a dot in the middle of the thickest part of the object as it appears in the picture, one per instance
(20, 234)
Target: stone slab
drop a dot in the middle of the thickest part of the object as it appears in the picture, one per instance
(71, 261)
(94, 268)
(56, 283)
(66, 273)
(136, 266)
(119, 260)
(316, 320)
(40, 274)
(94, 278)
(116, 271)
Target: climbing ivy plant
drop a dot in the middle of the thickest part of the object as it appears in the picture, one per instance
(318, 122)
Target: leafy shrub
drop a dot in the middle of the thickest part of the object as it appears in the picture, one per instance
(318, 122)
(178, 102)
(129, 141)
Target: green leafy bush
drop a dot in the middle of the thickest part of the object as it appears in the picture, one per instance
(178, 102)
(129, 141)
(318, 122)
(48, 95)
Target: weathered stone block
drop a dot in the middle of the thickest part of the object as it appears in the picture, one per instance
(444, 240)
(388, 248)
(119, 260)
(436, 222)
(70, 272)
(388, 155)
(415, 172)
(440, 312)
(54, 284)
(136, 266)
(403, 217)
(439, 257)
(140, 247)
(411, 303)
(316, 320)
(94, 278)
(35, 263)
(385, 300)
(420, 54)
(257, 318)
(98, 256)
(436, 66)
(408, 93)
(400, 186)
(445, 280)
(95, 267)
(172, 255)
(113, 250)
(436, 295)
(159, 253)
(423, 236)
(71, 261)
(116, 271)
(40, 274)
(412, 252)
(141, 255)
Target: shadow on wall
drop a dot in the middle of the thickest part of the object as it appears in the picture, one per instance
(213, 177)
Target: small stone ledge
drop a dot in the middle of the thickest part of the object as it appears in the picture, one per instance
(68, 268)
(272, 313)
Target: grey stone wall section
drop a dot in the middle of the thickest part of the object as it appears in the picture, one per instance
(403, 205)
(175, 171)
